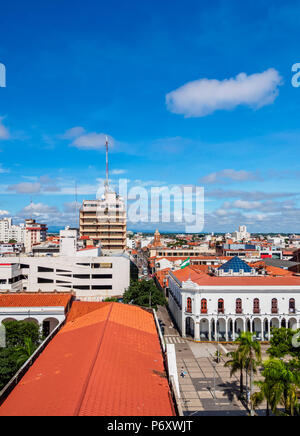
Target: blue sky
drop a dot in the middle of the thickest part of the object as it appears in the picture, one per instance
(135, 71)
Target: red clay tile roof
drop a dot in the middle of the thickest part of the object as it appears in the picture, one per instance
(272, 270)
(106, 361)
(187, 273)
(207, 280)
(34, 300)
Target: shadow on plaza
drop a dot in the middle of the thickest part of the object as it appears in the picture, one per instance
(231, 390)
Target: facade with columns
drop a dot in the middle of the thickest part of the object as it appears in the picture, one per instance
(210, 308)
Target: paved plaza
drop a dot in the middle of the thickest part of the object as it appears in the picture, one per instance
(207, 388)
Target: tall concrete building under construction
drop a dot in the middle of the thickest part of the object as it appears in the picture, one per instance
(104, 220)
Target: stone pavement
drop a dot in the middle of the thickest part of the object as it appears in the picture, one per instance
(207, 389)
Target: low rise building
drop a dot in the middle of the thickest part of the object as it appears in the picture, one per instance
(45, 310)
(10, 232)
(213, 307)
(86, 272)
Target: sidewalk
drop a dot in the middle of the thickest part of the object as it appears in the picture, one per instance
(206, 390)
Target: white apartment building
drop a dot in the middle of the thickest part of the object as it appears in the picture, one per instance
(86, 272)
(9, 231)
(241, 234)
(218, 308)
(35, 233)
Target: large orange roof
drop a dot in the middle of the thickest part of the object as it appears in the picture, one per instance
(106, 361)
(34, 300)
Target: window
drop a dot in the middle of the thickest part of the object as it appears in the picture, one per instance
(238, 306)
(44, 269)
(102, 288)
(41, 280)
(256, 306)
(274, 305)
(221, 306)
(82, 276)
(204, 306)
(83, 288)
(189, 305)
(292, 305)
(101, 276)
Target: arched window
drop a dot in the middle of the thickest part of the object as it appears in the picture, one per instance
(256, 306)
(292, 305)
(274, 305)
(238, 306)
(189, 305)
(204, 306)
(221, 306)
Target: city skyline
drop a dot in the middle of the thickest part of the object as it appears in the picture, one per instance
(194, 95)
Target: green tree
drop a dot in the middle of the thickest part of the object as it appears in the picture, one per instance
(280, 386)
(8, 366)
(236, 364)
(23, 353)
(281, 343)
(18, 331)
(144, 293)
(250, 352)
(22, 339)
(111, 300)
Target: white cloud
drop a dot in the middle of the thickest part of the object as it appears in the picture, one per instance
(92, 141)
(117, 172)
(4, 213)
(73, 133)
(230, 174)
(25, 188)
(40, 211)
(203, 97)
(247, 205)
(4, 133)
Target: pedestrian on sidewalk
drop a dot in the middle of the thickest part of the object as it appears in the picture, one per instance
(183, 373)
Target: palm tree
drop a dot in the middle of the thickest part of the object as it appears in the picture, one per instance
(279, 387)
(250, 352)
(24, 352)
(270, 392)
(236, 363)
(289, 373)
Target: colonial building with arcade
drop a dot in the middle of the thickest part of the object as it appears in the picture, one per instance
(233, 298)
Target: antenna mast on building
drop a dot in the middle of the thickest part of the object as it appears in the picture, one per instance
(76, 203)
(106, 181)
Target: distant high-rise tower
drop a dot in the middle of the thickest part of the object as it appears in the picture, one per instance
(104, 220)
